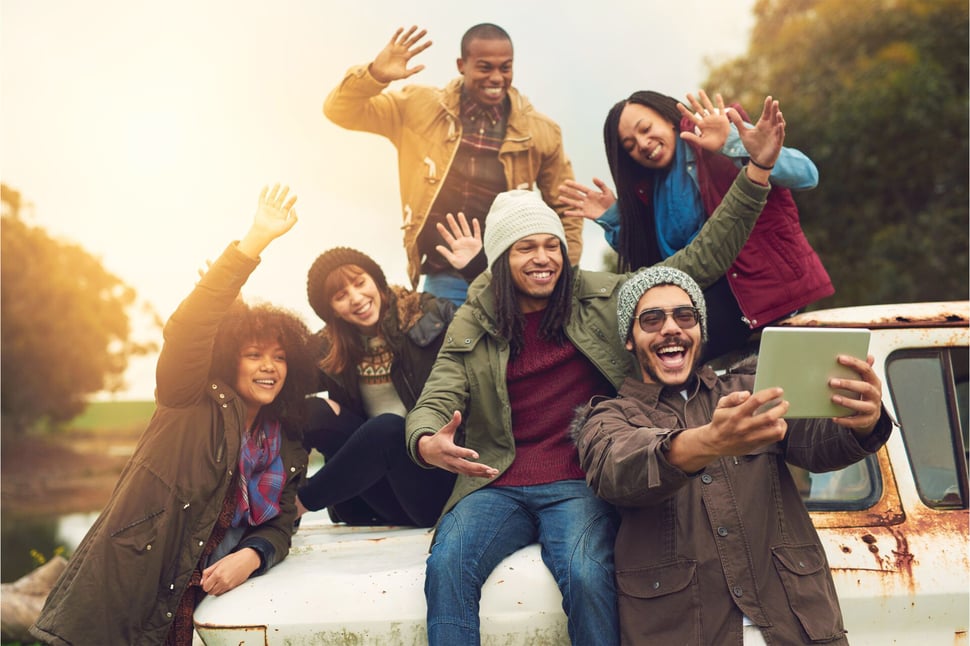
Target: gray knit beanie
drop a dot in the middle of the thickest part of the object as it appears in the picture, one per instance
(633, 290)
(515, 215)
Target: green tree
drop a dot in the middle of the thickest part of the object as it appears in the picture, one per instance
(876, 93)
(64, 332)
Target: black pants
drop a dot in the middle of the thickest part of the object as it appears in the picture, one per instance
(726, 330)
(368, 477)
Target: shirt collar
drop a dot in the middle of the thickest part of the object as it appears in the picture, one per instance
(651, 393)
(494, 113)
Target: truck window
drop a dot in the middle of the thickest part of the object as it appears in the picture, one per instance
(857, 486)
(929, 390)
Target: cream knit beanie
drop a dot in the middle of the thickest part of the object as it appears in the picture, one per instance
(515, 215)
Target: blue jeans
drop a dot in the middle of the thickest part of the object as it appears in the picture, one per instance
(575, 531)
(445, 285)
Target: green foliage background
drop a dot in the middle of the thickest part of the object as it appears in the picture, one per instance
(875, 92)
(65, 331)
(114, 416)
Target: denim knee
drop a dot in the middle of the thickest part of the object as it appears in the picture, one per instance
(445, 555)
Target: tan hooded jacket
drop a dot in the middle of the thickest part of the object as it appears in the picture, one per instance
(424, 125)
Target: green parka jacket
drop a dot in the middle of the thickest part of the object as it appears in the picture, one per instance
(424, 125)
(469, 374)
(125, 580)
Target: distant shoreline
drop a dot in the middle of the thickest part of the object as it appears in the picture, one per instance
(74, 470)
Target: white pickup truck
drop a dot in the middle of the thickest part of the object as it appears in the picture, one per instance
(895, 528)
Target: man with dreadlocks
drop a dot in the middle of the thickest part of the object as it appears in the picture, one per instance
(536, 339)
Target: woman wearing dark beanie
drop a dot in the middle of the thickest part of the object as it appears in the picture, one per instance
(374, 355)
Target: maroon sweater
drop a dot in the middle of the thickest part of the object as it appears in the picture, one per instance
(546, 383)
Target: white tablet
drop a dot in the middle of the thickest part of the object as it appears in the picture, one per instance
(802, 360)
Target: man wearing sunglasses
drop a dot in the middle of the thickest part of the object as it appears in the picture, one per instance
(715, 545)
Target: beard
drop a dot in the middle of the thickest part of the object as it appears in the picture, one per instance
(646, 359)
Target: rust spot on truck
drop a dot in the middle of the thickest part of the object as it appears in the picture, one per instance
(904, 559)
(944, 314)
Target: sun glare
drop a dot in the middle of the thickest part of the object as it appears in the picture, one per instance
(153, 141)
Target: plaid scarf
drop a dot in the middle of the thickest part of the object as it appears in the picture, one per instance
(260, 476)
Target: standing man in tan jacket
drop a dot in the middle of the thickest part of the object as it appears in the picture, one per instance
(458, 146)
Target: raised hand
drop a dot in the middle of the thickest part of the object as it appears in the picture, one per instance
(274, 216)
(274, 212)
(584, 201)
(462, 243)
(391, 64)
(867, 407)
(763, 141)
(441, 451)
(711, 125)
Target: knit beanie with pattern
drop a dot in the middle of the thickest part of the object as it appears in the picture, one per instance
(515, 215)
(326, 263)
(636, 286)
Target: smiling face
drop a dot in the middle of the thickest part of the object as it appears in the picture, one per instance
(487, 70)
(667, 356)
(535, 263)
(260, 374)
(647, 136)
(358, 299)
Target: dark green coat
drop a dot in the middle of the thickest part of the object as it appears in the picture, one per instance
(469, 374)
(124, 582)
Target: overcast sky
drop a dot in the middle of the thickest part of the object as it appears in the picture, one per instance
(145, 130)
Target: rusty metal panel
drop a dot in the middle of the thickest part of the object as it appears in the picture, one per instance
(905, 315)
(902, 569)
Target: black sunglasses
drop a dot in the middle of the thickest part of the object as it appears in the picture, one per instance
(653, 320)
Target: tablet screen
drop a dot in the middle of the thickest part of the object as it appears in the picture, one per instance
(802, 360)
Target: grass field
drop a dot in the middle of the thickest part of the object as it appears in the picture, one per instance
(113, 416)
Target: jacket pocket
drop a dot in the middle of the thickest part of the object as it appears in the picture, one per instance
(804, 573)
(137, 548)
(660, 604)
(140, 534)
(133, 564)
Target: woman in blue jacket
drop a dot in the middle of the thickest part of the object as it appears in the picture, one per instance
(672, 166)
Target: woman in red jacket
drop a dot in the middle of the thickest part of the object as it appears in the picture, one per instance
(672, 167)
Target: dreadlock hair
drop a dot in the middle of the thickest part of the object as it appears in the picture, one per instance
(244, 324)
(346, 346)
(637, 245)
(510, 319)
(482, 31)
